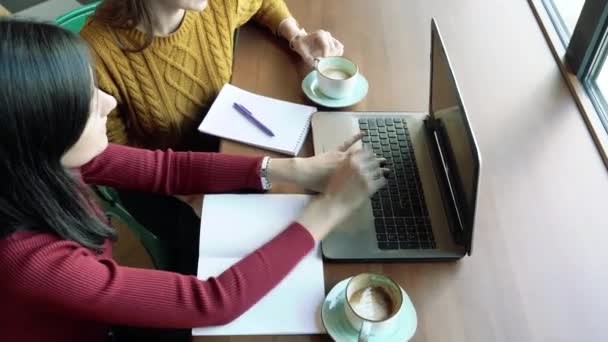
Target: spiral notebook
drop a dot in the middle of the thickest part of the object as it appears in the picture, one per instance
(288, 121)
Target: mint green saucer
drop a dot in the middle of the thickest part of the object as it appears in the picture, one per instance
(340, 330)
(309, 86)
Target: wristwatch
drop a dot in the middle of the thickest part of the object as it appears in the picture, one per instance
(266, 185)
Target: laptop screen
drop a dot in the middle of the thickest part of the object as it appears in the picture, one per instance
(457, 140)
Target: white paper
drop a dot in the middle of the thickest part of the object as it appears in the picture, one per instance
(234, 226)
(288, 121)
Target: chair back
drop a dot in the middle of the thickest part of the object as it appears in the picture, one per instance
(75, 19)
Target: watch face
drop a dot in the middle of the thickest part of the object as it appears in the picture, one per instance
(264, 174)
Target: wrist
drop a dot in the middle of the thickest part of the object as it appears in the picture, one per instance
(336, 209)
(313, 218)
(321, 216)
(297, 36)
(290, 30)
(282, 170)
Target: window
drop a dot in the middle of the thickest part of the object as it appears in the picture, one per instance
(577, 30)
(596, 83)
(564, 14)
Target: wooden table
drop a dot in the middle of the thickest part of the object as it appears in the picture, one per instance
(539, 268)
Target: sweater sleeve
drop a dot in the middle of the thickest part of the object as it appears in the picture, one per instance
(63, 278)
(269, 13)
(172, 173)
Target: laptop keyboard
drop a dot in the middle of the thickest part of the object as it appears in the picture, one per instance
(401, 217)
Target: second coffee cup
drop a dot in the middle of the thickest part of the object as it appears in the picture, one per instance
(373, 303)
(336, 76)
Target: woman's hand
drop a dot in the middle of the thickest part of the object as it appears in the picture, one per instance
(309, 46)
(312, 173)
(358, 176)
(317, 44)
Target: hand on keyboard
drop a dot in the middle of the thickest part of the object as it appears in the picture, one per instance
(355, 179)
(313, 173)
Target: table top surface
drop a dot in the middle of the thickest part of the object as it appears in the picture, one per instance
(537, 272)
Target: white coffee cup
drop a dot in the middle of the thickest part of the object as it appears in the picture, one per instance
(336, 76)
(373, 303)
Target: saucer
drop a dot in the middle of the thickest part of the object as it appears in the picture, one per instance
(310, 88)
(339, 328)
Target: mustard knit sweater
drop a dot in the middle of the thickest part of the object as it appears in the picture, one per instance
(164, 91)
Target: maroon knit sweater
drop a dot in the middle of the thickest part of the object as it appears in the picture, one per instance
(56, 290)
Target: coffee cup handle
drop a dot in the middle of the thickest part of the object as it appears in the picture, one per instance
(317, 60)
(366, 329)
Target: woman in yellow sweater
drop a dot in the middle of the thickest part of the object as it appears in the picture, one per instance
(165, 61)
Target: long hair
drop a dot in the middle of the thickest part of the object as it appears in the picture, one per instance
(47, 88)
(126, 14)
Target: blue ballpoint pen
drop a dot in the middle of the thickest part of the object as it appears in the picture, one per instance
(246, 113)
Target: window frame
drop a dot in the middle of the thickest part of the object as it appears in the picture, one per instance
(563, 31)
(580, 57)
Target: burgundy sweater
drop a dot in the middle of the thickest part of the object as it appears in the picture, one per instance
(56, 290)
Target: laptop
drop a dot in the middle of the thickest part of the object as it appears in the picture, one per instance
(427, 210)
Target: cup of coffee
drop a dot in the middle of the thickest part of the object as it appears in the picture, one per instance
(336, 76)
(373, 302)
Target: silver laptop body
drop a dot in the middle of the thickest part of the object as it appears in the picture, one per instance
(427, 210)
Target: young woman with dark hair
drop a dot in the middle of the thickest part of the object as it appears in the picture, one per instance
(59, 281)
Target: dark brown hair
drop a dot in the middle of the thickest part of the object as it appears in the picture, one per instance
(126, 14)
(45, 100)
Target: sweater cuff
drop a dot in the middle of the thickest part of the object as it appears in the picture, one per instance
(256, 182)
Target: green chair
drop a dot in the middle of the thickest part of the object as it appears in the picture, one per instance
(110, 201)
(156, 248)
(74, 20)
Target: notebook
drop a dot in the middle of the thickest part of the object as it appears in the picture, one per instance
(289, 121)
(233, 226)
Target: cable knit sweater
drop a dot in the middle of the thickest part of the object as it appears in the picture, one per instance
(56, 290)
(164, 91)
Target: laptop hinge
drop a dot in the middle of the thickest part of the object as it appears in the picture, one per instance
(437, 143)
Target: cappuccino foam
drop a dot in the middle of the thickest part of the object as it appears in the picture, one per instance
(336, 74)
(372, 303)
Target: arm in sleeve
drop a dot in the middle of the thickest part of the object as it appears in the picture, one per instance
(67, 279)
(269, 13)
(172, 173)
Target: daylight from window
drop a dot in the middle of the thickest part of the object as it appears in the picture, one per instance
(569, 10)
